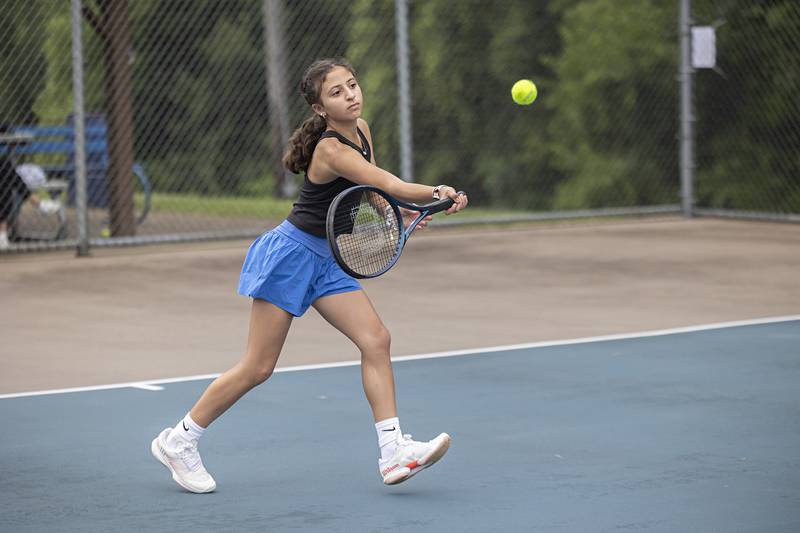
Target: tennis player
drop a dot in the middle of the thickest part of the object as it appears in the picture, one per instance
(291, 268)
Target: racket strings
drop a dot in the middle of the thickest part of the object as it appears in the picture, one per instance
(367, 232)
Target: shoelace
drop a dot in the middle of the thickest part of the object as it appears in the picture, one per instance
(190, 456)
(410, 447)
(405, 439)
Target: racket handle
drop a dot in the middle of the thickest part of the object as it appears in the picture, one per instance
(442, 205)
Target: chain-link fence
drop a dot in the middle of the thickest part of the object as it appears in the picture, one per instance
(188, 104)
(602, 133)
(748, 111)
(35, 75)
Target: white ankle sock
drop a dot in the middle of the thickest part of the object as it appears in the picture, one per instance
(388, 431)
(187, 430)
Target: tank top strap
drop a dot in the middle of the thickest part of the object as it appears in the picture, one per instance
(366, 151)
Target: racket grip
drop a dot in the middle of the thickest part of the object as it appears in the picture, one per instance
(442, 205)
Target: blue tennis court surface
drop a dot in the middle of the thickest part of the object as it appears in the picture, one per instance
(684, 432)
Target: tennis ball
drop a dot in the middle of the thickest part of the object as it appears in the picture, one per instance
(524, 92)
(105, 233)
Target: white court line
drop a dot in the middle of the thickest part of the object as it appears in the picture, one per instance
(146, 386)
(153, 384)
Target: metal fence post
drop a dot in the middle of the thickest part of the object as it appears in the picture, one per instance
(404, 91)
(686, 112)
(275, 54)
(80, 146)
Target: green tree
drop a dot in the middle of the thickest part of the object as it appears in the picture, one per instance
(613, 134)
(748, 120)
(23, 69)
(200, 88)
(54, 101)
(371, 30)
(467, 130)
(199, 94)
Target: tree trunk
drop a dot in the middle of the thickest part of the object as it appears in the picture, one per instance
(275, 52)
(116, 30)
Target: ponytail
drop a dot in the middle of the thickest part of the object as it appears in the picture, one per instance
(301, 144)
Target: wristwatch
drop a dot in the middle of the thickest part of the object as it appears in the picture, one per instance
(436, 189)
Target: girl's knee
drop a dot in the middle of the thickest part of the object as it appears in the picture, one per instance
(257, 370)
(377, 341)
(259, 375)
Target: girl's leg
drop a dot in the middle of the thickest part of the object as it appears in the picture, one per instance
(176, 448)
(353, 314)
(269, 325)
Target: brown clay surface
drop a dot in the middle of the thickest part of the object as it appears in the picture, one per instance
(167, 311)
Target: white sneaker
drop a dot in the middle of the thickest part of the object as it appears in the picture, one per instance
(4, 244)
(184, 462)
(411, 456)
(48, 207)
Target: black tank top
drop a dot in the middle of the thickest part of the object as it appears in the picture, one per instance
(311, 208)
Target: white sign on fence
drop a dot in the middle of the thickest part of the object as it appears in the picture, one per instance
(704, 47)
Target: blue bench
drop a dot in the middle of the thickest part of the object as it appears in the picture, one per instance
(60, 141)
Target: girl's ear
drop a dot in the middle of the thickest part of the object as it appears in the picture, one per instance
(318, 109)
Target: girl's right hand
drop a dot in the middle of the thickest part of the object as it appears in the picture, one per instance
(460, 200)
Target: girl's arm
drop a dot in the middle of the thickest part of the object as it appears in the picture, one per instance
(408, 215)
(340, 160)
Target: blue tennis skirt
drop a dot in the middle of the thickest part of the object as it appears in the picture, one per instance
(291, 269)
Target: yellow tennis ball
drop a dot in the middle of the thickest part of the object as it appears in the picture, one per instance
(524, 92)
(105, 233)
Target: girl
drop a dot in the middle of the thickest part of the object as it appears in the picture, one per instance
(291, 268)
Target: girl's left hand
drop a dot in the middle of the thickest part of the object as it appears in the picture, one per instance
(409, 216)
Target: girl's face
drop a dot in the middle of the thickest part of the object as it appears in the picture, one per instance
(340, 96)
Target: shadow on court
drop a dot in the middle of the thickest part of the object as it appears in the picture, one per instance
(684, 432)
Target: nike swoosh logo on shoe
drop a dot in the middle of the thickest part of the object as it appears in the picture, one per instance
(184, 425)
(393, 428)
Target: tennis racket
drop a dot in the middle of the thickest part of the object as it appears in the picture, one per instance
(365, 229)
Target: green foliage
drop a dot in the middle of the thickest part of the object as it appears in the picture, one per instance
(602, 133)
(202, 100)
(467, 129)
(21, 57)
(614, 129)
(748, 117)
(201, 120)
(55, 102)
(377, 76)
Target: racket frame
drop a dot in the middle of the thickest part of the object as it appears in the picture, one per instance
(424, 210)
